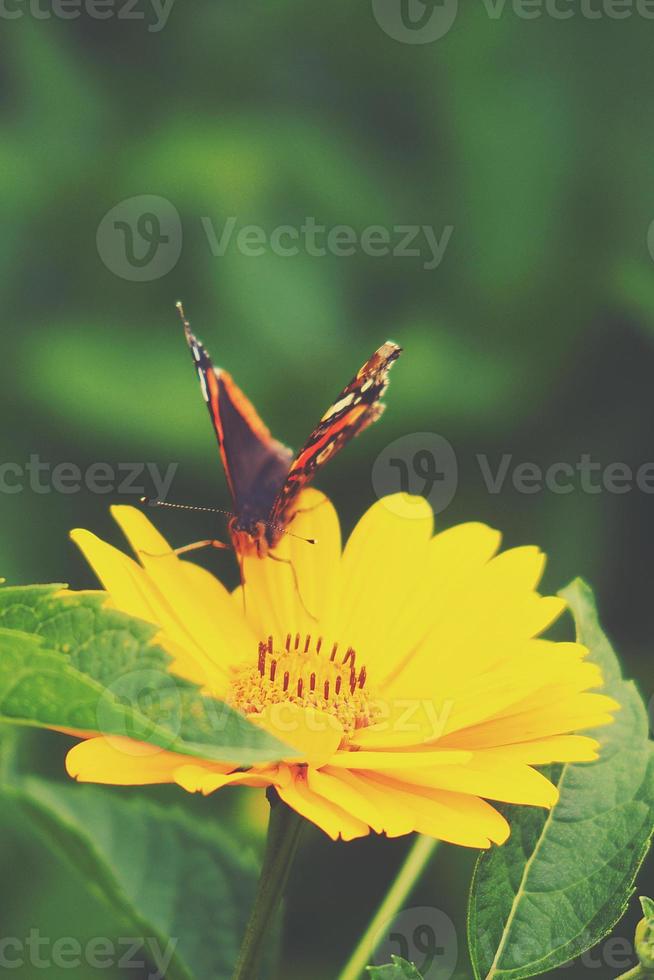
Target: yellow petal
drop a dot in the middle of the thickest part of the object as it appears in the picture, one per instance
(580, 712)
(458, 551)
(454, 557)
(474, 618)
(515, 570)
(404, 722)
(545, 751)
(296, 587)
(364, 800)
(529, 673)
(315, 734)
(400, 760)
(229, 633)
(335, 821)
(455, 817)
(133, 591)
(205, 780)
(121, 762)
(206, 614)
(123, 579)
(382, 572)
(345, 794)
(488, 776)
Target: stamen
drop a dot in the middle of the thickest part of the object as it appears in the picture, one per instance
(295, 671)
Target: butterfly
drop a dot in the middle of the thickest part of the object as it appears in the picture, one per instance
(265, 478)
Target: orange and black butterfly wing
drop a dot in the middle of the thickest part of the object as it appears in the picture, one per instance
(256, 465)
(357, 407)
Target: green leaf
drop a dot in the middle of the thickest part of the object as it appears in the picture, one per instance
(179, 884)
(564, 878)
(399, 969)
(67, 662)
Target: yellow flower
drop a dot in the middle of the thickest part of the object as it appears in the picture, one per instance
(406, 670)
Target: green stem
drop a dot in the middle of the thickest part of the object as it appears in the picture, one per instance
(404, 883)
(638, 973)
(284, 829)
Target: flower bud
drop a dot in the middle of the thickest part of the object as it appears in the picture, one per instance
(644, 941)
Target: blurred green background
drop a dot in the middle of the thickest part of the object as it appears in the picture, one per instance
(533, 336)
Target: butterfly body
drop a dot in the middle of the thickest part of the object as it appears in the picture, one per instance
(265, 478)
(252, 538)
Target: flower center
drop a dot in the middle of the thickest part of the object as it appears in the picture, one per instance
(307, 673)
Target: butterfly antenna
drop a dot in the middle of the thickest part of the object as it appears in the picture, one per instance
(299, 536)
(179, 306)
(148, 502)
(291, 534)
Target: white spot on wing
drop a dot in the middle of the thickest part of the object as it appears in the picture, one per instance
(338, 407)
